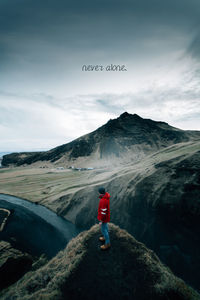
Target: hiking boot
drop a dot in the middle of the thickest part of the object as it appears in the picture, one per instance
(105, 247)
(102, 239)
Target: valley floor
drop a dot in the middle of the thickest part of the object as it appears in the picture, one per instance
(45, 185)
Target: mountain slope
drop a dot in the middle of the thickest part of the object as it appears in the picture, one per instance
(127, 271)
(156, 200)
(126, 138)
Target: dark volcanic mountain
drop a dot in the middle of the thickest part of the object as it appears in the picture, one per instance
(128, 270)
(128, 137)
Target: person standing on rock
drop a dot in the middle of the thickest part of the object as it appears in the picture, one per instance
(104, 217)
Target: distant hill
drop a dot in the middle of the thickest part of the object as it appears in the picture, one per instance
(128, 270)
(1, 156)
(127, 138)
(4, 153)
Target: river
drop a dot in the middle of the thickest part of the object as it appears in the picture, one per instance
(34, 228)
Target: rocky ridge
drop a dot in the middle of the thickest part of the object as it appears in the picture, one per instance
(128, 270)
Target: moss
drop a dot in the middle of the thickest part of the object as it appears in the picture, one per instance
(128, 270)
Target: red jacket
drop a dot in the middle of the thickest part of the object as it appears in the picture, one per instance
(104, 208)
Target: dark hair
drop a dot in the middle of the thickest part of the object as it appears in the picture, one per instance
(102, 190)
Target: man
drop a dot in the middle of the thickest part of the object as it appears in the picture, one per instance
(104, 217)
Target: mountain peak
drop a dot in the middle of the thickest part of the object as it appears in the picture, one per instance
(127, 115)
(128, 137)
(128, 270)
(124, 115)
(124, 118)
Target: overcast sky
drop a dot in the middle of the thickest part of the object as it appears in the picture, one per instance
(47, 100)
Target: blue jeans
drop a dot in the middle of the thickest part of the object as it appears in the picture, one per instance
(104, 230)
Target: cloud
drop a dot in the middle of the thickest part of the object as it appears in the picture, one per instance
(38, 121)
(31, 122)
(194, 47)
(40, 31)
(45, 98)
